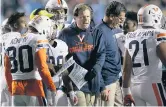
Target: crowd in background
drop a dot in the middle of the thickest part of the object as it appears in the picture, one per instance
(10, 6)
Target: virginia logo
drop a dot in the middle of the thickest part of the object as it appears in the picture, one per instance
(81, 38)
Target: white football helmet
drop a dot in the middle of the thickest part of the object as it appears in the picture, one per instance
(43, 24)
(150, 15)
(53, 5)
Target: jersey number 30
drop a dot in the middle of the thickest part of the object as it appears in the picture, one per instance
(12, 53)
(136, 43)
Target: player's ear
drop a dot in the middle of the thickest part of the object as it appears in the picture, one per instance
(110, 17)
(15, 25)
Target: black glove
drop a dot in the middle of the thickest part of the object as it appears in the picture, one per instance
(120, 81)
(51, 72)
(90, 75)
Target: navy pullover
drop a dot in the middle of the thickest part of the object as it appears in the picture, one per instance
(112, 65)
(88, 50)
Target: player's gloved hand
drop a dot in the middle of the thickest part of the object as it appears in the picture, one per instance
(90, 75)
(51, 98)
(9, 89)
(73, 97)
(128, 99)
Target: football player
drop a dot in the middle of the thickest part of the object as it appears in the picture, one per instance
(145, 53)
(60, 9)
(130, 25)
(26, 67)
(163, 22)
(5, 96)
(57, 54)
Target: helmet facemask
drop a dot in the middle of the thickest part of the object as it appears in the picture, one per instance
(44, 25)
(59, 8)
(59, 15)
(53, 29)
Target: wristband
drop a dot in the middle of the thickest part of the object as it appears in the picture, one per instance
(71, 93)
(126, 91)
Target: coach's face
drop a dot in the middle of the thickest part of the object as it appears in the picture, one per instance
(83, 19)
(116, 21)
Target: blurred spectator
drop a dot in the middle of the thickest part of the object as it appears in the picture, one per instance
(10, 6)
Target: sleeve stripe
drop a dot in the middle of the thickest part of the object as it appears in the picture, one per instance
(161, 35)
(42, 45)
(42, 41)
(160, 39)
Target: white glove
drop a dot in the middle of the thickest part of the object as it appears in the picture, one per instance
(51, 98)
(73, 97)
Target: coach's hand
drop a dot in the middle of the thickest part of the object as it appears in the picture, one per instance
(73, 97)
(90, 75)
(105, 95)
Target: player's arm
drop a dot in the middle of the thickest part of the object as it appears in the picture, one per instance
(68, 84)
(161, 46)
(8, 75)
(65, 76)
(127, 69)
(67, 81)
(161, 52)
(43, 68)
(41, 58)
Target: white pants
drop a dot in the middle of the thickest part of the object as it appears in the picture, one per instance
(85, 99)
(148, 94)
(118, 95)
(5, 97)
(23, 100)
(62, 99)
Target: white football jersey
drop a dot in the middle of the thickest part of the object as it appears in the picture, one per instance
(58, 31)
(21, 52)
(141, 46)
(120, 37)
(57, 57)
(1, 64)
(10, 35)
(3, 39)
(2, 74)
(1, 53)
